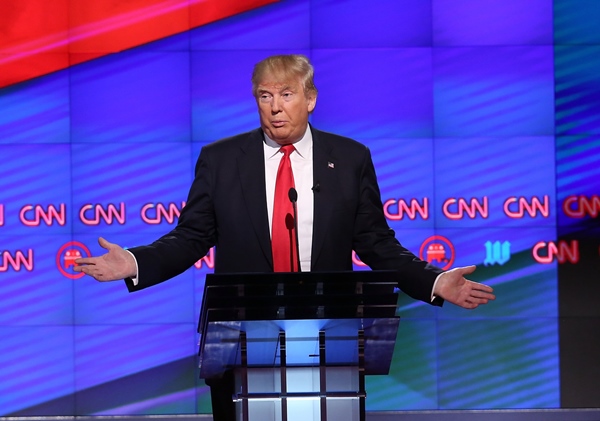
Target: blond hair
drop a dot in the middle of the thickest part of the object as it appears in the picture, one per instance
(285, 68)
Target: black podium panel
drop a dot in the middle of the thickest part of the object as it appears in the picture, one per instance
(278, 331)
(301, 304)
(221, 343)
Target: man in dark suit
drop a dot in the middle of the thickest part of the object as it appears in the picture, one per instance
(232, 199)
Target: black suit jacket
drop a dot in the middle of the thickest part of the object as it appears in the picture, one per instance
(226, 208)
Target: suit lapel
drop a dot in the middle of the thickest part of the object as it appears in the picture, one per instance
(251, 169)
(325, 177)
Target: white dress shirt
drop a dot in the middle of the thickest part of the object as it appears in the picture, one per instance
(302, 168)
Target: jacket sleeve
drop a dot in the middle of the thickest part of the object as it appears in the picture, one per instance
(189, 241)
(376, 245)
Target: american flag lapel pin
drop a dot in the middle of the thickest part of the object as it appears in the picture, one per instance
(330, 165)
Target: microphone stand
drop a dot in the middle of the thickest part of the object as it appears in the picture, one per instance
(293, 195)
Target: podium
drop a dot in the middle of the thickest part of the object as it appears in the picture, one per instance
(299, 344)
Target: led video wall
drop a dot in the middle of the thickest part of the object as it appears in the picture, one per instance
(483, 119)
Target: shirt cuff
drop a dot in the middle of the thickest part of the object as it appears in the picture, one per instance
(433, 297)
(134, 279)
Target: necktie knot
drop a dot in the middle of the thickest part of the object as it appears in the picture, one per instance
(287, 150)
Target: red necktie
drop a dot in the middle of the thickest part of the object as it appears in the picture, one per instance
(283, 236)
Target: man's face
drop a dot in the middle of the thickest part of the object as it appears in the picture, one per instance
(284, 109)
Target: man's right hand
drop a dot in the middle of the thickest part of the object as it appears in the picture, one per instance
(114, 265)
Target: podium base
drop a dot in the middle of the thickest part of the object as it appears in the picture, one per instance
(303, 400)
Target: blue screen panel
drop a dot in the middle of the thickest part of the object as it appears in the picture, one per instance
(508, 182)
(105, 353)
(485, 129)
(101, 302)
(577, 89)
(492, 22)
(132, 97)
(254, 30)
(515, 275)
(129, 187)
(405, 173)
(36, 111)
(37, 366)
(498, 363)
(34, 292)
(578, 181)
(412, 382)
(203, 400)
(369, 94)
(382, 24)
(494, 91)
(576, 22)
(36, 189)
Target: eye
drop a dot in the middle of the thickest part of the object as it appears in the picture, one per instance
(265, 97)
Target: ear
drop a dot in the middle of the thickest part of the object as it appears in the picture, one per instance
(312, 101)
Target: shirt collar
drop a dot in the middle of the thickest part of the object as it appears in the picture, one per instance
(303, 146)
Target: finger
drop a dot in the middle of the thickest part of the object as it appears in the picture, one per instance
(481, 294)
(88, 270)
(95, 272)
(488, 296)
(476, 300)
(469, 305)
(85, 261)
(82, 269)
(476, 286)
(482, 287)
(480, 297)
(105, 244)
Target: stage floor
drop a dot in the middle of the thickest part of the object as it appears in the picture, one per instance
(592, 414)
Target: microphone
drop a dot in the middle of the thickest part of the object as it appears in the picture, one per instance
(293, 195)
(316, 188)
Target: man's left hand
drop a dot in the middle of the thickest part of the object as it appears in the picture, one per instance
(453, 287)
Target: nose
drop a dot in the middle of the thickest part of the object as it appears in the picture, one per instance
(276, 105)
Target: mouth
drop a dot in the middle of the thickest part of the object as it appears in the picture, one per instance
(278, 123)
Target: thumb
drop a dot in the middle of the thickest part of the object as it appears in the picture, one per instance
(105, 244)
(467, 269)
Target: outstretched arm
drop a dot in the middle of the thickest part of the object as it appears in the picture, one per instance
(114, 265)
(453, 287)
